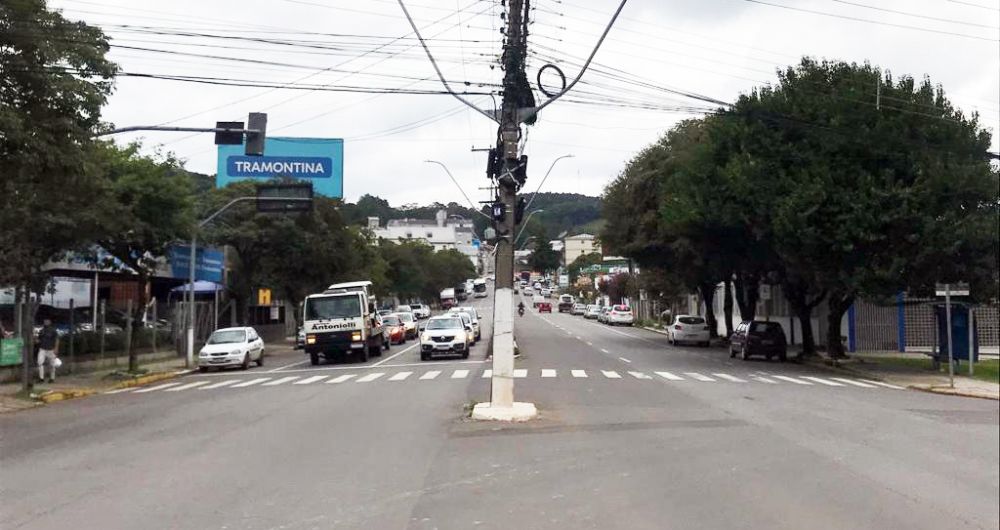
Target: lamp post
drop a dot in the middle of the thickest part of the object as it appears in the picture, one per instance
(452, 177)
(525, 224)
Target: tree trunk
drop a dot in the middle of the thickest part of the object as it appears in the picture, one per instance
(133, 355)
(727, 306)
(708, 296)
(747, 293)
(808, 340)
(838, 305)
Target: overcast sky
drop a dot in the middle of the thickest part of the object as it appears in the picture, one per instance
(714, 48)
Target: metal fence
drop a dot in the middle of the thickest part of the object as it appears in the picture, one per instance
(909, 325)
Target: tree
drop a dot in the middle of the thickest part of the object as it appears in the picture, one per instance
(582, 262)
(146, 206)
(51, 93)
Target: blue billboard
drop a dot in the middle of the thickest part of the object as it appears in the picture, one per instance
(208, 263)
(316, 160)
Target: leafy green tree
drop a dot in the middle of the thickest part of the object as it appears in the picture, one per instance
(582, 262)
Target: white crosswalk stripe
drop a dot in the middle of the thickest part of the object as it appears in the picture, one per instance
(611, 374)
(120, 390)
(370, 377)
(251, 382)
(520, 373)
(311, 380)
(669, 376)
(578, 373)
(341, 378)
(155, 388)
(400, 376)
(821, 381)
(430, 375)
(791, 380)
(547, 372)
(763, 379)
(639, 375)
(221, 384)
(852, 382)
(487, 374)
(459, 374)
(880, 383)
(728, 377)
(699, 377)
(187, 386)
(281, 381)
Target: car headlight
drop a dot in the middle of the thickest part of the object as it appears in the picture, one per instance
(236, 352)
(310, 339)
(203, 353)
(356, 336)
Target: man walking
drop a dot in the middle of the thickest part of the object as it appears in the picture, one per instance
(48, 348)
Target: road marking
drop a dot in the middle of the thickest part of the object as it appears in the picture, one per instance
(341, 378)
(728, 377)
(400, 376)
(370, 377)
(590, 343)
(296, 363)
(251, 382)
(520, 373)
(697, 376)
(487, 373)
(281, 381)
(221, 384)
(639, 375)
(880, 383)
(791, 380)
(578, 337)
(310, 380)
(187, 386)
(853, 382)
(624, 360)
(391, 357)
(670, 376)
(459, 374)
(120, 390)
(763, 379)
(546, 372)
(430, 375)
(578, 373)
(157, 387)
(605, 351)
(821, 381)
(611, 374)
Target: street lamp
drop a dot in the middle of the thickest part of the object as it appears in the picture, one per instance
(452, 177)
(526, 242)
(524, 224)
(526, 206)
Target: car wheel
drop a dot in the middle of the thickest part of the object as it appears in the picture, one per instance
(314, 358)
(465, 354)
(425, 357)
(260, 360)
(706, 344)
(202, 369)
(732, 353)
(246, 362)
(387, 343)
(365, 353)
(744, 354)
(782, 357)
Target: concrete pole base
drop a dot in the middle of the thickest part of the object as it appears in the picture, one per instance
(517, 412)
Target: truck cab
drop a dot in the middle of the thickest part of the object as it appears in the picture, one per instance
(566, 302)
(479, 288)
(342, 322)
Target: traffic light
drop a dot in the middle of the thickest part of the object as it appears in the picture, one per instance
(519, 210)
(521, 171)
(255, 140)
(232, 137)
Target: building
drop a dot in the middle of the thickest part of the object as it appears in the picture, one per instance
(443, 233)
(578, 245)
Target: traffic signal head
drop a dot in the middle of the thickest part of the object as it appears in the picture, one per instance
(257, 123)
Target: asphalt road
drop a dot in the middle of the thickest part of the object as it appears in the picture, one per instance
(633, 434)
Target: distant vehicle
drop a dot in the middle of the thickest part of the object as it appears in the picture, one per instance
(566, 302)
(409, 323)
(593, 311)
(759, 338)
(578, 309)
(231, 347)
(394, 329)
(537, 299)
(473, 319)
(479, 288)
(525, 277)
(385, 312)
(341, 321)
(620, 315)
(460, 293)
(446, 334)
(545, 307)
(689, 328)
(448, 299)
(467, 319)
(300, 338)
(528, 291)
(546, 292)
(421, 311)
(603, 316)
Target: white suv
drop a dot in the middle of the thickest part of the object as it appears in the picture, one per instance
(421, 311)
(446, 334)
(620, 314)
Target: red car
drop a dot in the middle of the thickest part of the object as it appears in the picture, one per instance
(545, 307)
(395, 329)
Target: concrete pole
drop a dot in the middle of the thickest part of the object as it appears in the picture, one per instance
(972, 336)
(951, 348)
(189, 359)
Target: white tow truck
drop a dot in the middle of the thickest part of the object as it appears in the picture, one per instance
(343, 321)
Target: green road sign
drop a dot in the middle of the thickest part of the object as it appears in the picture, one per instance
(10, 351)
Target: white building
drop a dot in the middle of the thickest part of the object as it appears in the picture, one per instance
(578, 245)
(443, 233)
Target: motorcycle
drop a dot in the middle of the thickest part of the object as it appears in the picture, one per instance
(520, 311)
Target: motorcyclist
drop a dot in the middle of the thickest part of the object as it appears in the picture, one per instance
(520, 308)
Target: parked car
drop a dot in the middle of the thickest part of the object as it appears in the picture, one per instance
(231, 347)
(421, 311)
(395, 329)
(593, 311)
(409, 322)
(690, 329)
(545, 307)
(578, 309)
(300, 338)
(603, 316)
(756, 337)
(446, 334)
(620, 315)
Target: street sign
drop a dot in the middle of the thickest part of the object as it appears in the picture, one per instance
(301, 195)
(208, 263)
(951, 289)
(263, 297)
(316, 160)
(10, 351)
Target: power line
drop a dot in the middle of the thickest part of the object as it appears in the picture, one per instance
(915, 15)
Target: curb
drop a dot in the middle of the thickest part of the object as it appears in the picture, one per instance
(62, 395)
(946, 391)
(922, 388)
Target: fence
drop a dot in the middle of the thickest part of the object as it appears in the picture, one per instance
(909, 325)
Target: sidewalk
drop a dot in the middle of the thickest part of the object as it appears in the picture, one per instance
(912, 375)
(80, 385)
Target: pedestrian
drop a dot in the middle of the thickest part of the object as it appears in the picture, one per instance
(48, 350)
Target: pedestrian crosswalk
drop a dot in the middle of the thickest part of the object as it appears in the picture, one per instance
(460, 374)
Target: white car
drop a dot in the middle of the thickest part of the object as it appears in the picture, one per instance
(471, 321)
(528, 291)
(593, 311)
(474, 316)
(232, 347)
(421, 311)
(409, 322)
(689, 328)
(537, 299)
(620, 315)
(447, 334)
